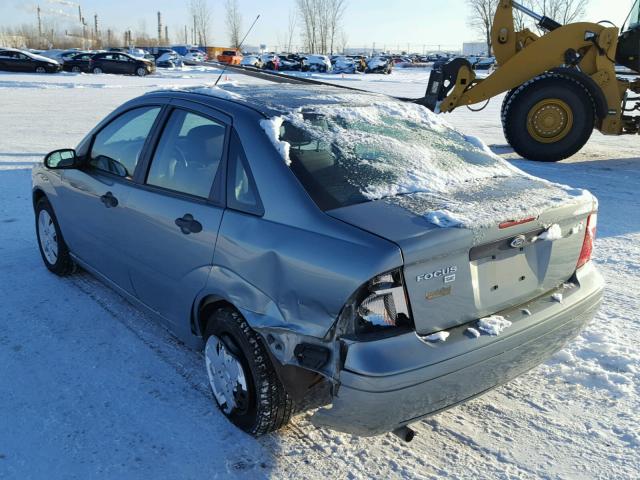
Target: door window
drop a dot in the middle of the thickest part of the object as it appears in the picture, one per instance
(188, 154)
(117, 148)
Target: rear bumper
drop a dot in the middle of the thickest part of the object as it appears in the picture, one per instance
(389, 383)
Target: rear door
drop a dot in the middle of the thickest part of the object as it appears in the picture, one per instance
(93, 211)
(176, 210)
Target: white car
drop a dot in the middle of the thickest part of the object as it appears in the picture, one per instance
(252, 61)
(316, 63)
(194, 57)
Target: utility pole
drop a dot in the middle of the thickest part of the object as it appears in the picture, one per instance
(159, 28)
(166, 35)
(39, 26)
(95, 27)
(109, 37)
(80, 13)
(195, 31)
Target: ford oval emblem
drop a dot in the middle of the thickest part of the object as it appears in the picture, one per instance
(518, 241)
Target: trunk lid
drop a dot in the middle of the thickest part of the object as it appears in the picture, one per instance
(454, 275)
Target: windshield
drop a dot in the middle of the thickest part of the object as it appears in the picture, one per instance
(345, 155)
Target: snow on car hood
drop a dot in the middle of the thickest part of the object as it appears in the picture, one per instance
(41, 58)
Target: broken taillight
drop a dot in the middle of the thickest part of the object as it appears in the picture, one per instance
(589, 239)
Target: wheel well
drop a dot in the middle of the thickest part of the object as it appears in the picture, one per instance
(37, 196)
(207, 306)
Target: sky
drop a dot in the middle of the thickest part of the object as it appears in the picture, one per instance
(413, 25)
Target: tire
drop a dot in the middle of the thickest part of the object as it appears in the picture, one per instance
(53, 248)
(264, 405)
(141, 72)
(97, 70)
(76, 69)
(41, 70)
(549, 118)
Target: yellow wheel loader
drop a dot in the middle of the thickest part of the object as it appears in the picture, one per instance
(560, 85)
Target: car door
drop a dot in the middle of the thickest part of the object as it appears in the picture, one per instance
(93, 199)
(176, 211)
(125, 64)
(10, 61)
(24, 63)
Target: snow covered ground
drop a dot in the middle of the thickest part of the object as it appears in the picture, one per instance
(92, 388)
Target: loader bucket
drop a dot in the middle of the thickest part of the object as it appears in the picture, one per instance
(441, 82)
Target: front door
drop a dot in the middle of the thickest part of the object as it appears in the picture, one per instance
(94, 198)
(175, 214)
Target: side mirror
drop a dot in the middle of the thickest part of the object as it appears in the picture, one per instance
(64, 158)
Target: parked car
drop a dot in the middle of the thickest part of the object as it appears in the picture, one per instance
(252, 61)
(122, 63)
(343, 64)
(298, 234)
(231, 57)
(484, 63)
(80, 62)
(194, 57)
(270, 61)
(169, 59)
(379, 65)
(316, 63)
(14, 60)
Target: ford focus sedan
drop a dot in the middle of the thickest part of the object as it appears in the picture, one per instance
(326, 249)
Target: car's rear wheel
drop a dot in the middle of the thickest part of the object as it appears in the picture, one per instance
(41, 69)
(97, 70)
(53, 249)
(141, 71)
(243, 380)
(549, 118)
(76, 69)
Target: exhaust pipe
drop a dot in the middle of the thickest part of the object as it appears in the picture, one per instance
(405, 433)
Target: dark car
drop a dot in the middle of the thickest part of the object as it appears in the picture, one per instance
(78, 63)
(123, 63)
(14, 60)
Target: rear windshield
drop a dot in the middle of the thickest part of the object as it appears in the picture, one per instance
(348, 155)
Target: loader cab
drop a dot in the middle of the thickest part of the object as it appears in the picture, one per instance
(628, 53)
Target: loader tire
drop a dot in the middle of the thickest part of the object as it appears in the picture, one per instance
(549, 118)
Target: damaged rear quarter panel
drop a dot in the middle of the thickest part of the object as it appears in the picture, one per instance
(291, 271)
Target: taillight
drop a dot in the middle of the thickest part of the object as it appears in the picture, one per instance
(589, 239)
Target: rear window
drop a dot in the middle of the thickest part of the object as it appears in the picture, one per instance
(343, 155)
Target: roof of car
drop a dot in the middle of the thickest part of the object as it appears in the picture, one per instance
(278, 98)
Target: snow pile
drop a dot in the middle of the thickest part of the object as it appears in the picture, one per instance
(473, 332)
(557, 297)
(437, 337)
(554, 232)
(493, 325)
(271, 127)
(442, 219)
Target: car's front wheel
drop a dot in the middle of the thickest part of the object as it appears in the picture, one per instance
(141, 71)
(243, 380)
(97, 70)
(41, 69)
(53, 249)
(76, 69)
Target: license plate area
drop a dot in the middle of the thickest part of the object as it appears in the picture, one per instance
(505, 271)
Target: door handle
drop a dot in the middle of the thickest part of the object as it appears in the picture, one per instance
(188, 224)
(109, 200)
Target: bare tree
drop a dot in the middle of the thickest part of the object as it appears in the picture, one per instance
(291, 29)
(321, 22)
(234, 22)
(335, 12)
(200, 11)
(563, 11)
(343, 40)
(482, 13)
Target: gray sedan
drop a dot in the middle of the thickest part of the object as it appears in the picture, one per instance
(327, 249)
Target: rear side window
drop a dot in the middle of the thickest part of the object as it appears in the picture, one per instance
(242, 193)
(188, 154)
(116, 149)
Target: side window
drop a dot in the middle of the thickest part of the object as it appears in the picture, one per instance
(188, 154)
(117, 147)
(241, 189)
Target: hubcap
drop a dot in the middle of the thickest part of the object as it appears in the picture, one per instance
(226, 376)
(48, 237)
(550, 120)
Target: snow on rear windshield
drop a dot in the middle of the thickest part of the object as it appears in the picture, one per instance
(351, 154)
